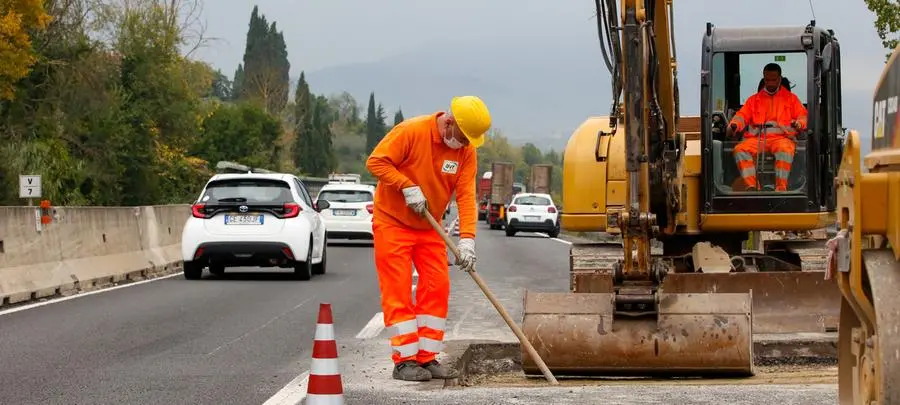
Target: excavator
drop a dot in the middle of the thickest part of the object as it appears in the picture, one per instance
(677, 294)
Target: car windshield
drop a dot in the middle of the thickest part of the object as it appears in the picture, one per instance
(345, 196)
(262, 191)
(532, 200)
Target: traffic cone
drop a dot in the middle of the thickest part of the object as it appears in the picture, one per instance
(325, 387)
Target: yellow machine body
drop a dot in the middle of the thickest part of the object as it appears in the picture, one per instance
(866, 255)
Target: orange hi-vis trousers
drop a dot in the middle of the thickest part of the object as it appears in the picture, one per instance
(417, 330)
(780, 145)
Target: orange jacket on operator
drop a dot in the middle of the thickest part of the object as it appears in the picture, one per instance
(413, 154)
(760, 108)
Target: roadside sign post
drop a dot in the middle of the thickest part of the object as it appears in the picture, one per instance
(30, 188)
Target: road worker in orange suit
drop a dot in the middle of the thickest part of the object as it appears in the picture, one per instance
(775, 114)
(419, 164)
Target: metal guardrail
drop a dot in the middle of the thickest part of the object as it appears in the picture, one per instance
(313, 184)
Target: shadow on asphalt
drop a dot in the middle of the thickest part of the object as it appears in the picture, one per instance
(529, 236)
(351, 243)
(282, 275)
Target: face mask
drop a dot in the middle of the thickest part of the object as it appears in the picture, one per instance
(452, 143)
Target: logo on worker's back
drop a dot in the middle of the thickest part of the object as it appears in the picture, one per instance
(450, 167)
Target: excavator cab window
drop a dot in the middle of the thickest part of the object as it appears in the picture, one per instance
(731, 68)
(736, 77)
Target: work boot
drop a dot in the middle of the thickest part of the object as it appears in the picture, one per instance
(410, 371)
(440, 371)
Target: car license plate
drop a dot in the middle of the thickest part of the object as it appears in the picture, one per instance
(343, 213)
(531, 218)
(243, 220)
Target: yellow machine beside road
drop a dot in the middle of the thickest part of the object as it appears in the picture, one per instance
(866, 254)
(678, 295)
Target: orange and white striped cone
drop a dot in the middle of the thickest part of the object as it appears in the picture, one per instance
(325, 387)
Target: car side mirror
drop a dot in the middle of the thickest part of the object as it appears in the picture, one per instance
(322, 205)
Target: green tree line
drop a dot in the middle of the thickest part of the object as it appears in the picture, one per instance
(103, 100)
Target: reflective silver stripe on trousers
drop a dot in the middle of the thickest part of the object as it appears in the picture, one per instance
(404, 327)
(431, 345)
(783, 157)
(432, 322)
(407, 350)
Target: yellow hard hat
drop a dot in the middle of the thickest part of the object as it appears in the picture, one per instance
(472, 117)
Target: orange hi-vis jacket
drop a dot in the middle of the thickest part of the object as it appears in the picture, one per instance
(413, 154)
(778, 110)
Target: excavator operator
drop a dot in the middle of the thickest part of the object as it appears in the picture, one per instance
(772, 119)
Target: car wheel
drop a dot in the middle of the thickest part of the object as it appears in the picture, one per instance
(303, 270)
(192, 270)
(322, 266)
(554, 233)
(510, 231)
(217, 269)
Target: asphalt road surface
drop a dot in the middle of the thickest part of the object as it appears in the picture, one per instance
(246, 338)
(231, 340)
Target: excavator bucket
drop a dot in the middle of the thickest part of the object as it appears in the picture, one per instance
(789, 302)
(787, 299)
(704, 323)
(580, 334)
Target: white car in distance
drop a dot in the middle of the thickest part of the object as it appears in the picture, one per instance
(255, 219)
(533, 212)
(349, 215)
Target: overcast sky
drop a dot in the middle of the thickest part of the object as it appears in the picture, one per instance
(322, 34)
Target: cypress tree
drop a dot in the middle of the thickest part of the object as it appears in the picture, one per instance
(264, 74)
(303, 144)
(381, 123)
(372, 137)
(398, 116)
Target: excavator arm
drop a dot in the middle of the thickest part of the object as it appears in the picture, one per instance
(628, 324)
(647, 74)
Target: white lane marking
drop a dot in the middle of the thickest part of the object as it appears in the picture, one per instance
(561, 240)
(84, 294)
(373, 328)
(548, 237)
(455, 331)
(239, 338)
(293, 393)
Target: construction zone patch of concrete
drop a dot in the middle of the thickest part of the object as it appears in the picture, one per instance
(810, 359)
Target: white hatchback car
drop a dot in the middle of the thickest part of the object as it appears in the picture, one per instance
(255, 219)
(534, 212)
(349, 215)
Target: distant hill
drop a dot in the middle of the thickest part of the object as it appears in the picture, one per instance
(538, 90)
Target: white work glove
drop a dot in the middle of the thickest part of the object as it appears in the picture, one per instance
(466, 259)
(416, 200)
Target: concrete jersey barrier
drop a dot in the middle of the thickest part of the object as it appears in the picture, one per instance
(85, 248)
